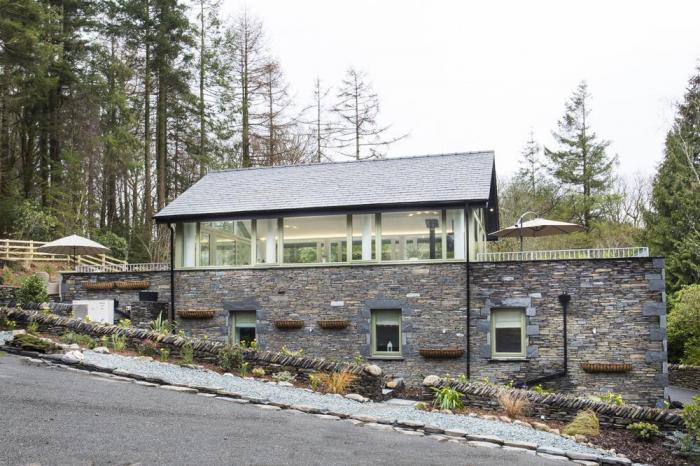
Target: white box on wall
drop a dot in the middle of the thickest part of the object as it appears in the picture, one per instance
(98, 310)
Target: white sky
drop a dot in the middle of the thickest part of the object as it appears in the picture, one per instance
(475, 75)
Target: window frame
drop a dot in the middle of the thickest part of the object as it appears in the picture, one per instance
(373, 335)
(523, 335)
(234, 335)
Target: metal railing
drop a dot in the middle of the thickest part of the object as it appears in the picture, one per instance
(563, 254)
(26, 251)
(143, 267)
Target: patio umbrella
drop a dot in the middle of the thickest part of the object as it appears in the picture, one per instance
(536, 228)
(73, 245)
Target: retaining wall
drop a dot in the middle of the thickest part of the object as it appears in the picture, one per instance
(684, 376)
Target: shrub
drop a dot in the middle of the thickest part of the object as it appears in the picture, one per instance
(691, 418)
(118, 342)
(540, 389)
(258, 372)
(187, 352)
(148, 348)
(160, 326)
(447, 398)
(244, 369)
(104, 340)
(314, 381)
(78, 338)
(513, 405)
(336, 382)
(612, 398)
(124, 323)
(585, 423)
(33, 327)
(287, 352)
(684, 325)
(645, 431)
(32, 343)
(164, 354)
(33, 290)
(7, 324)
(358, 360)
(230, 357)
(422, 406)
(283, 376)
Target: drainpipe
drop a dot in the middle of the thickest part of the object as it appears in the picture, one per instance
(469, 305)
(171, 315)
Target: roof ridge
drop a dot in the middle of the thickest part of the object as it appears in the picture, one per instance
(340, 162)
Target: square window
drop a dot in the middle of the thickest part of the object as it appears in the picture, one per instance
(508, 333)
(386, 332)
(242, 328)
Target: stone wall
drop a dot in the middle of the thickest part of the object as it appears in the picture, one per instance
(562, 407)
(7, 295)
(368, 380)
(684, 376)
(142, 313)
(621, 299)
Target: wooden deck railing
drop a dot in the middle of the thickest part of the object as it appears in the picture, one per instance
(563, 254)
(26, 251)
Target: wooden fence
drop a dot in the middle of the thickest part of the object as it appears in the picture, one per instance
(26, 251)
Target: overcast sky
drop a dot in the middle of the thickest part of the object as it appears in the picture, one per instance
(475, 75)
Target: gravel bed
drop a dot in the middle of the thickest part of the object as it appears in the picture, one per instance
(289, 395)
(5, 337)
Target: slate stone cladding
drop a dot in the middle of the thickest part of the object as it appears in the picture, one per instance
(620, 298)
(684, 376)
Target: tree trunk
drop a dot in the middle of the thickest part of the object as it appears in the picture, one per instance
(147, 187)
(202, 155)
(161, 137)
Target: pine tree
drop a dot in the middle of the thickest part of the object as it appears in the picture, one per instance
(581, 162)
(530, 163)
(673, 222)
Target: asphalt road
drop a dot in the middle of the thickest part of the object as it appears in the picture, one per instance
(55, 416)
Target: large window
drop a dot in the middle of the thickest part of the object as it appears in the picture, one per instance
(320, 239)
(386, 332)
(508, 333)
(225, 243)
(242, 328)
(415, 235)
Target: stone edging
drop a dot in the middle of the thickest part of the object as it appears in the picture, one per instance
(685, 376)
(407, 427)
(565, 407)
(369, 381)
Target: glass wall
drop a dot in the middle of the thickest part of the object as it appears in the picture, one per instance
(320, 240)
(226, 243)
(412, 235)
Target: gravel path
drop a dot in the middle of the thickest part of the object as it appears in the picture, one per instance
(5, 336)
(269, 391)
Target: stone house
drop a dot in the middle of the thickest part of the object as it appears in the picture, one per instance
(387, 260)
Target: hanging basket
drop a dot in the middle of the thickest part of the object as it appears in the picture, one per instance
(605, 367)
(333, 324)
(98, 285)
(132, 284)
(437, 353)
(288, 324)
(196, 314)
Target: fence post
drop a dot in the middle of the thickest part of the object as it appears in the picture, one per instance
(103, 260)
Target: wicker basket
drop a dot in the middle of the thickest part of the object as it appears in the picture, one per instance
(132, 284)
(98, 285)
(289, 324)
(437, 353)
(333, 324)
(605, 367)
(196, 314)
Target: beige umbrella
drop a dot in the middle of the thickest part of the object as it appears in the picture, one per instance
(536, 228)
(74, 245)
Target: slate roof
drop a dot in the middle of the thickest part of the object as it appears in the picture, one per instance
(393, 181)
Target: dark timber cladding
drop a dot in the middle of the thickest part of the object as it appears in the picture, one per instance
(432, 180)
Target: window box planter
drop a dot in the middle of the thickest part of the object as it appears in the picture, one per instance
(444, 353)
(333, 324)
(196, 314)
(132, 284)
(98, 285)
(288, 324)
(605, 367)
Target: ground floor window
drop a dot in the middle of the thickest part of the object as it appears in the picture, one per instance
(508, 333)
(386, 332)
(242, 328)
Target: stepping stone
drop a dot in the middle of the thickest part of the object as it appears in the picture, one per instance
(616, 460)
(484, 438)
(364, 418)
(146, 384)
(415, 433)
(520, 450)
(233, 400)
(123, 379)
(519, 444)
(206, 395)
(551, 451)
(431, 429)
(552, 457)
(455, 432)
(175, 388)
(327, 416)
(577, 455)
(411, 424)
(268, 407)
(476, 443)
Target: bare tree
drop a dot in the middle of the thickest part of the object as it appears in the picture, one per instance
(358, 134)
